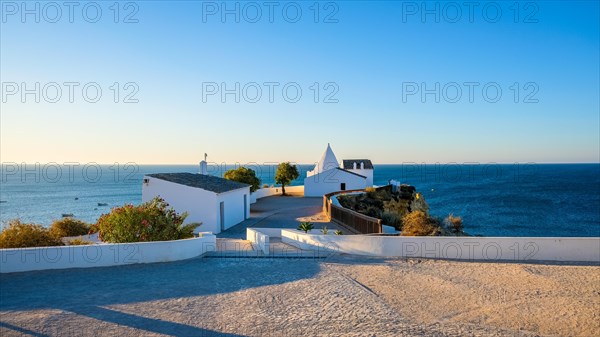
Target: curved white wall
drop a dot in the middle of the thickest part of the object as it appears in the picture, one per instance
(103, 255)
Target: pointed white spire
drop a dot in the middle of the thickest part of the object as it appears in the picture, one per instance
(327, 162)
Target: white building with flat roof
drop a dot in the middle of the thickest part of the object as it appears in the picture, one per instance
(217, 203)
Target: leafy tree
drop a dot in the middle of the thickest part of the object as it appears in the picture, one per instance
(286, 172)
(244, 175)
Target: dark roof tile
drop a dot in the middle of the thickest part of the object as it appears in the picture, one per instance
(348, 164)
(205, 182)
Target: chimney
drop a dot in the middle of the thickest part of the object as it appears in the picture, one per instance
(204, 166)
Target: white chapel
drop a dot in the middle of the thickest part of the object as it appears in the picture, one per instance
(328, 176)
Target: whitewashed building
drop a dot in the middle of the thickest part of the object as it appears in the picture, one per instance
(328, 176)
(216, 202)
(363, 167)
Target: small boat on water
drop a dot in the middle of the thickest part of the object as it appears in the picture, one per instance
(3, 201)
(67, 215)
(102, 204)
(76, 198)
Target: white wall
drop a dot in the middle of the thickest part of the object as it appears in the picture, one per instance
(330, 181)
(454, 248)
(364, 172)
(103, 255)
(197, 202)
(234, 207)
(270, 191)
(259, 239)
(271, 232)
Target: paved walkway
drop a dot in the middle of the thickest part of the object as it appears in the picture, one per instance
(274, 212)
(224, 297)
(283, 212)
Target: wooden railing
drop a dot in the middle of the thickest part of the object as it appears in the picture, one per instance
(348, 218)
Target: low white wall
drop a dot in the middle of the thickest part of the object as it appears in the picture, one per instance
(271, 232)
(103, 255)
(455, 248)
(259, 239)
(270, 191)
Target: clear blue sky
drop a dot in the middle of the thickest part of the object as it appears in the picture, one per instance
(373, 54)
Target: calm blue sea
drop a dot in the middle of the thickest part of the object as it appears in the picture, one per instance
(493, 199)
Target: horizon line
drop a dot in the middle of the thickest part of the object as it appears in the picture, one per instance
(295, 163)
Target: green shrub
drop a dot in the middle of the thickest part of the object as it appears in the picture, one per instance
(372, 211)
(22, 235)
(68, 227)
(399, 207)
(347, 201)
(338, 232)
(454, 223)
(392, 219)
(418, 223)
(305, 226)
(419, 204)
(150, 221)
(244, 175)
(80, 242)
(324, 230)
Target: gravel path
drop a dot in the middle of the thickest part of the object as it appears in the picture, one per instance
(337, 296)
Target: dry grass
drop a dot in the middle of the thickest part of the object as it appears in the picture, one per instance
(418, 223)
(80, 242)
(454, 223)
(68, 227)
(22, 235)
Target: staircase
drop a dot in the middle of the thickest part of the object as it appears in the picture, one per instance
(239, 248)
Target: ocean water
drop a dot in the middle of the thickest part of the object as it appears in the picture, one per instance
(492, 199)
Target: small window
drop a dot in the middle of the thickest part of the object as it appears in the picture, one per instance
(343, 187)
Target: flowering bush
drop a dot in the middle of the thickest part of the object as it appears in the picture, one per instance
(150, 221)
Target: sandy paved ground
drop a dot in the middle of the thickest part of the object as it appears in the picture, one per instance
(337, 296)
